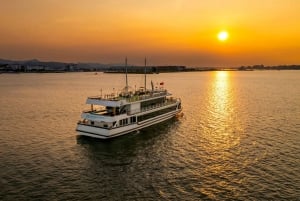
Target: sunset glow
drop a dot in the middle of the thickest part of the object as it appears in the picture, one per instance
(167, 32)
(223, 35)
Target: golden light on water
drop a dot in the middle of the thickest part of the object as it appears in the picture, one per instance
(222, 110)
(221, 74)
(220, 133)
(220, 94)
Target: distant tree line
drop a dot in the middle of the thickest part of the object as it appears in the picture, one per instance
(262, 67)
(7, 66)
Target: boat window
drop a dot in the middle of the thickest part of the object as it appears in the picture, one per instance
(152, 102)
(123, 110)
(123, 122)
(156, 113)
(92, 123)
(117, 110)
(132, 119)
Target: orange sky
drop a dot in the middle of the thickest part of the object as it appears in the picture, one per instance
(174, 32)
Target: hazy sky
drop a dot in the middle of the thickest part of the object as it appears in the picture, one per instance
(182, 32)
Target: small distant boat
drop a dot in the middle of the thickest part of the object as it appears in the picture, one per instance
(114, 115)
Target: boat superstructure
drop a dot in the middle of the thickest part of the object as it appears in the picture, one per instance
(114, 114)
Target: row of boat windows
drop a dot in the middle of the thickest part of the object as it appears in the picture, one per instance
(157, 113)
(123, 122)
(134, 119)
(153, 102)
(117, 110)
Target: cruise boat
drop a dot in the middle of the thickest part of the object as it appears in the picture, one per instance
(114, 114)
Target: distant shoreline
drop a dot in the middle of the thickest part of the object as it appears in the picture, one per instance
(112, 72)
(36, 66)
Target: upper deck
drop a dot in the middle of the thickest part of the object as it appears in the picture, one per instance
(125, 98)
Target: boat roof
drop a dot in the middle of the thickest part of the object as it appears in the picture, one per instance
(117, 100)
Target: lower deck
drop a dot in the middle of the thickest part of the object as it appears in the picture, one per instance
(105, 133)
(125, 120)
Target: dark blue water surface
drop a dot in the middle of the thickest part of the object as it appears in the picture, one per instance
(239, 139)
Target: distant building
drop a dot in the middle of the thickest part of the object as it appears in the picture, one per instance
(141, 69)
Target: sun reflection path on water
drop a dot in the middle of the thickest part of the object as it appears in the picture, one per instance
(220, 94)
(221, 134)
(223, 126)
(219, 100)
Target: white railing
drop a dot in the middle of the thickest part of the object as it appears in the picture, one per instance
(131, 97)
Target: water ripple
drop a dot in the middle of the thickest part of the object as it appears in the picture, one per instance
(238, 140)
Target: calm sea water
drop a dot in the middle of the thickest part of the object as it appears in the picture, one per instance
(239, 139)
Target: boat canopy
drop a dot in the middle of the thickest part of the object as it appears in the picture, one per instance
(109, 103)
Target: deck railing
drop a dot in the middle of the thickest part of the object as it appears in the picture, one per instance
(131, 97)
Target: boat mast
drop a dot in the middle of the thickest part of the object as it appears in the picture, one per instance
(145, 73)
(126, 74)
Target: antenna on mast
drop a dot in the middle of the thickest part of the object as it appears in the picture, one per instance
(126, 74)
(145, 73)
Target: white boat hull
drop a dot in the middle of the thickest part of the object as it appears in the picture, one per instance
(96, 132)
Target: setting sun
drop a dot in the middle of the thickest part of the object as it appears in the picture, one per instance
(205, 33)
(223, 36)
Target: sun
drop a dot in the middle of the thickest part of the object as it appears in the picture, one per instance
(223, 35)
